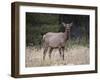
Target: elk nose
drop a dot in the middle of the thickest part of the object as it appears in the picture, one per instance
(68, 29)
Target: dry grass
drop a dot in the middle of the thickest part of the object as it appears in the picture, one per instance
(77, 55)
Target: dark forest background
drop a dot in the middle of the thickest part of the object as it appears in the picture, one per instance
(37, 24)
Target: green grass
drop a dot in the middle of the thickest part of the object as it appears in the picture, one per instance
(73, 43)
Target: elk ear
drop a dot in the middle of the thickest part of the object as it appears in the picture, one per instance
(71, 23)
(63, 24)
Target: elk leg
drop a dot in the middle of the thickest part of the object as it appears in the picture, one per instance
(44, 53)
(63, 52)
(50, 51)
(60, 51)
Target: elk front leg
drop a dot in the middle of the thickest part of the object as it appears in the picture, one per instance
(60, 51)
(63, 52)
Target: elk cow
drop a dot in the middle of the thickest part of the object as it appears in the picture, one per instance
(56, 40)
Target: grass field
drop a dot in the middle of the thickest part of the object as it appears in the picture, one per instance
(77, 55)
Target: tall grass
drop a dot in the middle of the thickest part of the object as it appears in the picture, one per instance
(71, 43)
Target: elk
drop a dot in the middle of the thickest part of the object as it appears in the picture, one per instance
(56, 40)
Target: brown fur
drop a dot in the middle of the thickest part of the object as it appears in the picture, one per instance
(56, 40)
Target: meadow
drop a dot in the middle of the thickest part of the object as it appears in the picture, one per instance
(76, 55)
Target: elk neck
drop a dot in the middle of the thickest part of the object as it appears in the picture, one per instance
(67, 34)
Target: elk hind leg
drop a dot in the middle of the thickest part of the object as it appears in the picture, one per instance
(44, 52)
(50, 51)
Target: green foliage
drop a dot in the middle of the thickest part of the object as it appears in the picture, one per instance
(40, 19)
(39, 24)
